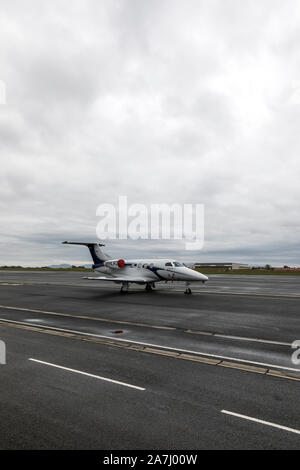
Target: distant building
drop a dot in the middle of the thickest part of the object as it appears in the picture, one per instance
(287, 268)
(228, 266)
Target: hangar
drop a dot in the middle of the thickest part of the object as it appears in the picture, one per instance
(228, 266)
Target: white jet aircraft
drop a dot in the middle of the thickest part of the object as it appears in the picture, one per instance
(139, 271)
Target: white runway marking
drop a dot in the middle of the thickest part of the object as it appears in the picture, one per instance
(255, 340)
(256, 420)
(108, 320)
(87, 317)
(87, 374)
(191, 351)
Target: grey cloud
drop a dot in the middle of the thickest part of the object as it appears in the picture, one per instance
(160, 101)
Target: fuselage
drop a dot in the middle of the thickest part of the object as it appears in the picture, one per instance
(153, 270)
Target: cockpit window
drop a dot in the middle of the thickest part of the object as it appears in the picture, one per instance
(168, 264)
(179, 265)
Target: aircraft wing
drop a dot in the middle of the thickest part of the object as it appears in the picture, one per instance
(141, 280)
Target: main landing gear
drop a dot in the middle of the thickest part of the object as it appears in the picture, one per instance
(124, 288)
(188, 290)
(149, 286)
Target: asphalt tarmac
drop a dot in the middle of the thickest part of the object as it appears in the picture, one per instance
(88, 368)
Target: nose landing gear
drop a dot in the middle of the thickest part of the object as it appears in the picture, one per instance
(188, 290)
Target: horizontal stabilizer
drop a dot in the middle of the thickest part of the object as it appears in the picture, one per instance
(97, 254)
(117, 279)
(82, 243)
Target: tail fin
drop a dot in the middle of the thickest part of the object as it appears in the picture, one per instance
(97, 254)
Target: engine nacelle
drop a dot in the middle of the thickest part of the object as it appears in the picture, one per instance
(115, 264)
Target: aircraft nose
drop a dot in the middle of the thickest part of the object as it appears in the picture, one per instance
(196, 276)
(202, 277)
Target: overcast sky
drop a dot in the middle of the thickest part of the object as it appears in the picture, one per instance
(163, 101)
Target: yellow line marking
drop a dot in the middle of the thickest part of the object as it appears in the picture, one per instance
(141, 347)
(10, 284)
(233, 365)
(190, 351)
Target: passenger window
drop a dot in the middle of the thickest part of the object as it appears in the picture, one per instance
(168, 264)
